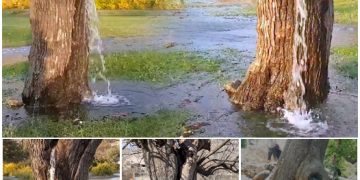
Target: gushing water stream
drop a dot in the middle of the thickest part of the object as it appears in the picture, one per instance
(95, 47)
(300, 117)
(52, 164)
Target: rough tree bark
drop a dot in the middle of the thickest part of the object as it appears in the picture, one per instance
(181, 159)
(293, 48)
(302, 160)
(58, 72)
(73, 157)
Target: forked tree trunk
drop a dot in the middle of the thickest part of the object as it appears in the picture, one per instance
(165, 159)
(59, 53)
(73, 158)
(302, 160)
(293, 48)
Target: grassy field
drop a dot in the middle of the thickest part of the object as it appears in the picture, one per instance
(346, 11)
(164, 123)
(149, 66)
(346, 60)
(158, 67)
(114, 23)
(126, 23)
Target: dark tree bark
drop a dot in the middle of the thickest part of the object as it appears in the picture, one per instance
(293, 48)
(73, 158)
(302, 160)
(184, 159)
(58, 72)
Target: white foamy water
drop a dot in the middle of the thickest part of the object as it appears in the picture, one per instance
(302, 121)
(52, 164)
(109, 100)
(297, 123)
(95, 46)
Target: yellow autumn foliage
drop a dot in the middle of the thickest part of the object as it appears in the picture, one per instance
(109, 4)
(19, 170)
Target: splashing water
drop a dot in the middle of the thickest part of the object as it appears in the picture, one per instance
(300, 118)
(300, 124)
(52, 164)
(95, 46)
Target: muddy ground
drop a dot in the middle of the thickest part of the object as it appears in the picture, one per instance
(231, 39)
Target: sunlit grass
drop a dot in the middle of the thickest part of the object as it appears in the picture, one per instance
(17, 70)
(346, 60)
(164, 123)
(346, 11)
(149, 66)
(158, 67)
(114, 23)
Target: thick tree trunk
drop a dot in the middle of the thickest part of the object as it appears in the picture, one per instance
(59, 53)
(171, 160)
(73, 158)
(293, 48)
(302, 160)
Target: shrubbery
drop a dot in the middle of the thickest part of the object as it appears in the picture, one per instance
(110, 4)
(20, 171)
(15, 4)
(104, 169)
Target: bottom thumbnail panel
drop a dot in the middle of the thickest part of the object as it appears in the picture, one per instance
(165, 159)
(61, 159)
(315, 159)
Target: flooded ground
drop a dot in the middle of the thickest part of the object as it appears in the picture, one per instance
(230, 39)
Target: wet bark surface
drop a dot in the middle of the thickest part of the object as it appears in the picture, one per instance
(269, 81)
(73, 157)
(59, 54)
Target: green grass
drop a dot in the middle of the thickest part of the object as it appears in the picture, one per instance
(154, 67)
(164, 123)
(346, 11)
(17, 70)
(246, 10)
(158, 67)
(346, 60)
(16, 28)
(114, 23)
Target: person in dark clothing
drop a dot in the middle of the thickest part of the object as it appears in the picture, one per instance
(275, 152)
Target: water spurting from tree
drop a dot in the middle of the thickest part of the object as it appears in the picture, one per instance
(52, 165)
(299, 115)
(98, 61)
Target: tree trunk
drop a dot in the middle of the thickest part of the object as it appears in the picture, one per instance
(58, 72)
(73, 158)
(171, 160)
(293, 48)
(302, 160)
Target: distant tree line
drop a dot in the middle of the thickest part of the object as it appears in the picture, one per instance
(110, 4)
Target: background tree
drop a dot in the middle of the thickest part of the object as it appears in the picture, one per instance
(58, 72)
(185, 159)
(13, 151)
(293, 48)
(73, 158)
(302, 160)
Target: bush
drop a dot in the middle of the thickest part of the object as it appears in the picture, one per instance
(24, 172)
(15, 4)
(104, 169)
(110, 4)
(20, 171)
(8, 169)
